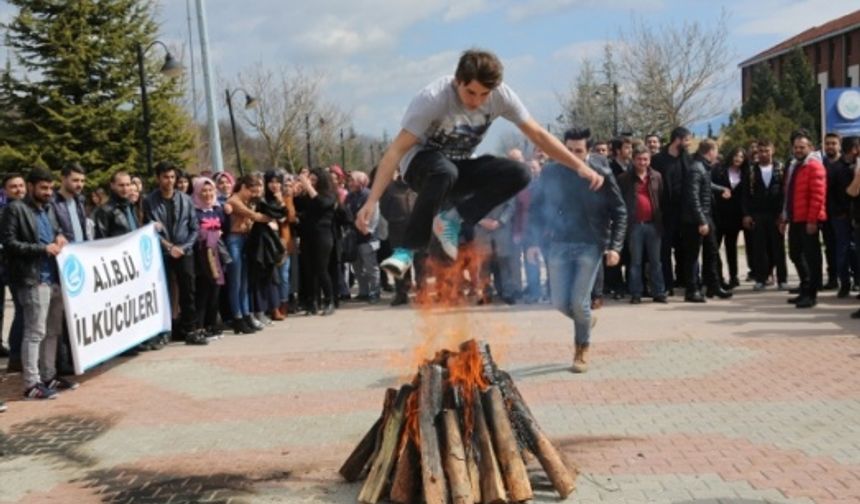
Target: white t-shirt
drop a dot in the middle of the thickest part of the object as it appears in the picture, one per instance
(766, 174)
(441, 122)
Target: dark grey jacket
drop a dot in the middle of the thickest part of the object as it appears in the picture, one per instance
(562, 201)
(65, 220)
(20, 237)
(111, 220)
(183, 233)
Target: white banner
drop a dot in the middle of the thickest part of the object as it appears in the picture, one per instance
(114, 293)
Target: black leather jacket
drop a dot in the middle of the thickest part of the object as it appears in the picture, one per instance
(20, 237)
(183, 233)
(562, 200)
(698, 201)
(110, 219)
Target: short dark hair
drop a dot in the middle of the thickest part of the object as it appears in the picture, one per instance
(479, 65)
(73, 167)
(11, 175)
(640, 149)
(679, 132)
(39, 174)
(833, 135)
(653, 134)
(577, 134)
(164, 167)
(117, 174)
(618, 143)
(247, 180)
(850, 143)
(764, 143)
(800, 133)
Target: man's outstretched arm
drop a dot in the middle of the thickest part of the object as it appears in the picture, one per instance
(384, 175)
(556, 150)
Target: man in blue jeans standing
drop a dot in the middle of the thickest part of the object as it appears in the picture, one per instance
(581, 226)
(441, 130)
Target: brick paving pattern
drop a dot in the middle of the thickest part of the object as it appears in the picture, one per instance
(739, 402)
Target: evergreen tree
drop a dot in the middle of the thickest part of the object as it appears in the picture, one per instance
(78, 95)
(798, 93)
(764, 92)
(769, 125)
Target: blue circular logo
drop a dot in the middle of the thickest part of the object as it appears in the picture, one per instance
(146, 251)
(73, 276)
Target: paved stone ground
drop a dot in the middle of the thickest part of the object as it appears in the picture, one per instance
(739, 402)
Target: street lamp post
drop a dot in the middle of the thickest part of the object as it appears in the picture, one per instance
(308, 138)
(250, 102)
(170, 68)
(342, 152)
(615, 109)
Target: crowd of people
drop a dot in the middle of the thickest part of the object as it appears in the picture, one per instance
(625, 218)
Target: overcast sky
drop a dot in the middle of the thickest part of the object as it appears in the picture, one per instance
(376, 54)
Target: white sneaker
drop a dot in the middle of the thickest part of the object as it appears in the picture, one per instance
(398, 263)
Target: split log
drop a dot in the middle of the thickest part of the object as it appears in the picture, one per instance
(355, 466)
(406, 483)
(550, 459)
(383, 463)
(429, 406)
(455, 460)
(492, 486)
(507, 449)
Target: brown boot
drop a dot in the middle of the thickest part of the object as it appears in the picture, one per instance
(580, 359)
(277, 315)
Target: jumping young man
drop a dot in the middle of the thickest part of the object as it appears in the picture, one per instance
(441, 130)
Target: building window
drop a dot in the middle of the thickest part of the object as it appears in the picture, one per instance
(817, 60)
(832, 48)
(848, 44)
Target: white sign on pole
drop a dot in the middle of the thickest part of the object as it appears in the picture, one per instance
(114, 293)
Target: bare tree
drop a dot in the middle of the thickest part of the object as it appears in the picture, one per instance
(290, 106)
(674, 75)
(594, 99)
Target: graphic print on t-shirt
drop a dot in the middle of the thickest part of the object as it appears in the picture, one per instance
(458, 136)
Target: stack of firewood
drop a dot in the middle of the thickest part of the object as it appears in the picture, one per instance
(460, 432)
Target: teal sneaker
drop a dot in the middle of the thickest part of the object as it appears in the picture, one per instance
(398, 263)
(446, 229)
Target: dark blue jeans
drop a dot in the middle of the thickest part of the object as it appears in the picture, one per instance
(645, 237)
(572, 270)
(237, 279)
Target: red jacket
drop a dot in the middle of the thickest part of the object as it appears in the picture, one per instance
(810, 192)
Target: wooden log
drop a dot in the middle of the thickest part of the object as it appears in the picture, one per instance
(505, 442)
(455, 460)
(429, 406)
(474, 473)
(492, 486)
(550, 459)
(406, 482)
(383, 463)
(356, 465)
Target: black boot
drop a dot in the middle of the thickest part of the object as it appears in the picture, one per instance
(716, 290)
(254, 323)
(196, 337)
(844, 291)
(694, 296)
(328, 310)
(241, 327)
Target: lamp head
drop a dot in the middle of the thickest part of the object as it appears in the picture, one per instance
(171, 67)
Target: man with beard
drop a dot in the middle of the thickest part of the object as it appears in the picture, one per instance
(32, 239)
(805, 210)
(672, 163)
(831, 159)
(14, 188)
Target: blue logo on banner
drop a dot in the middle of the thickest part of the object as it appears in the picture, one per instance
(842, 111)
(146, 251)
(73, 276)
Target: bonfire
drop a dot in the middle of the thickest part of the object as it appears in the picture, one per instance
(459, 432)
